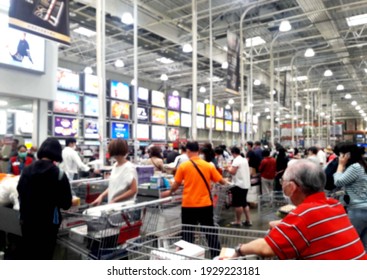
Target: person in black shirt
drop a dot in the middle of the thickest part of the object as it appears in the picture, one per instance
(22, 50)
(171, 156)
(253, 160)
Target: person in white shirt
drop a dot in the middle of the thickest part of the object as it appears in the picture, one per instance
(240, 172)
(181, 158)
(312, 155)
(71, 161)
(123, 181)
(321, 156)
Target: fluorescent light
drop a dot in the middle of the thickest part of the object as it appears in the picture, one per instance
(357, 20)
(164, 60)
(348, 96)
(187, 48)
(202, 89)
(164, 77)
(297, 104)
(225, 65)
(88, 70)
(206, 101)
(283, 68)
(215, 79)
(340, 87)
(267, 110)
(309, 52)
(308, 107)
(257, 82)
(268, 117)
(328, 73)
(3, 103)
(285, 26)
(254, 41)
(127, 18)
(175, 93)
(119, 63)
(300, 78)
(311, 89)
(227, 107)
(358, 108)
(354, 103)
(84, 31)
(287, 116)
(361, 111)
(230, 101)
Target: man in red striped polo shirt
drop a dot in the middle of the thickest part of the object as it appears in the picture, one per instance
(318, 229)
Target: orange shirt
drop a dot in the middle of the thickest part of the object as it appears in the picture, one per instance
(195, 192)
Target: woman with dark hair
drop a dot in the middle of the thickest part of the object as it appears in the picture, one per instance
(43, 189)
(281, 166)
(155, 158)
(351, 175)
(123, 181)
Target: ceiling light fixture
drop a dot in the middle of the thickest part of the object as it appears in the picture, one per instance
(348, 96)
(257, 82)
(322, 114)
(230, 101)
(297, 104)
(127, 18)
(3, 103)
(225, 65)
(328, 73)
(254, 41)
(164, 77)
(88, 70)
(84, 31)
(202, 89)
(267, 110)
(164, 60)
(361, 111)
(365, 70)
(206, 101)
(354, 103)
(340, 87)
(309, 52)
(308, 107)
(300, 78)
(358, 108)
(227, 107)
(285, 26)
(357, 20)
(175, 93)
(268, 117)
(133, 82)
(364, 114)
(311, 89)
(119, 63)
(187, 48)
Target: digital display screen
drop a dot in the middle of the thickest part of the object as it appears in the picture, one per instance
(219, 111)
(228, 126)
(143, 95)
(65, 126)
(119, 130)
(200, 122)
(142, 132)
(209, 110)
(66, 102)
(91, 129)
(158, 116)
(236, 127)
(228, 114)
(21, 49)
(143, 114)
(186, 105)
(219, 124)
(207, 123)
(120, 110)
(200, 108)
(158, 133)
(23, 122)
(158, 99)
(173, 118)
(173, 102)
(173, 134)
(67, 79)
(90, 84)
(119, 90)
(91, 107)
(185, 120)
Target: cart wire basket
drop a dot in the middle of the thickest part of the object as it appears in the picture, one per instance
(221, 196)
(270, 203)
(209, 241)
(88, 189)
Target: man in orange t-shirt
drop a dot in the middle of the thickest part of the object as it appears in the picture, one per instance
(197, 205)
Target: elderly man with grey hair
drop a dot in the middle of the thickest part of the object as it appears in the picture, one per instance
(318, 228)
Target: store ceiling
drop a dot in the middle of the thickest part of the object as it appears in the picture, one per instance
(165, 25)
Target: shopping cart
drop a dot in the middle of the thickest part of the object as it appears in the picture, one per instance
(162, 246)
(101, 232)
(270, 203)
(221, 199)
(88, 189)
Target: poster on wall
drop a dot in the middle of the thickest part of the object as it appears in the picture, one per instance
(209, 110)
(65, 126)
(142, 132)
(120, 110)
(21, 49)
(236, 127)
(233, 59)
(119, 90)
(219, 112)
(90, 84)
(46, 18)
(173, 102)
(158, 99)
(158, 133)
(143, 95)
(23, 122)
(186, 105)
(173, 134)
(173, 118)
(158, 116)
(185, 120)
(228, 126)
(200, 108)
(200, 122)
(219, 124)
(91, 107)
(143, 114)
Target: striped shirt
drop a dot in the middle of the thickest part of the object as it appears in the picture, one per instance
(353, 178)
(317, 229)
